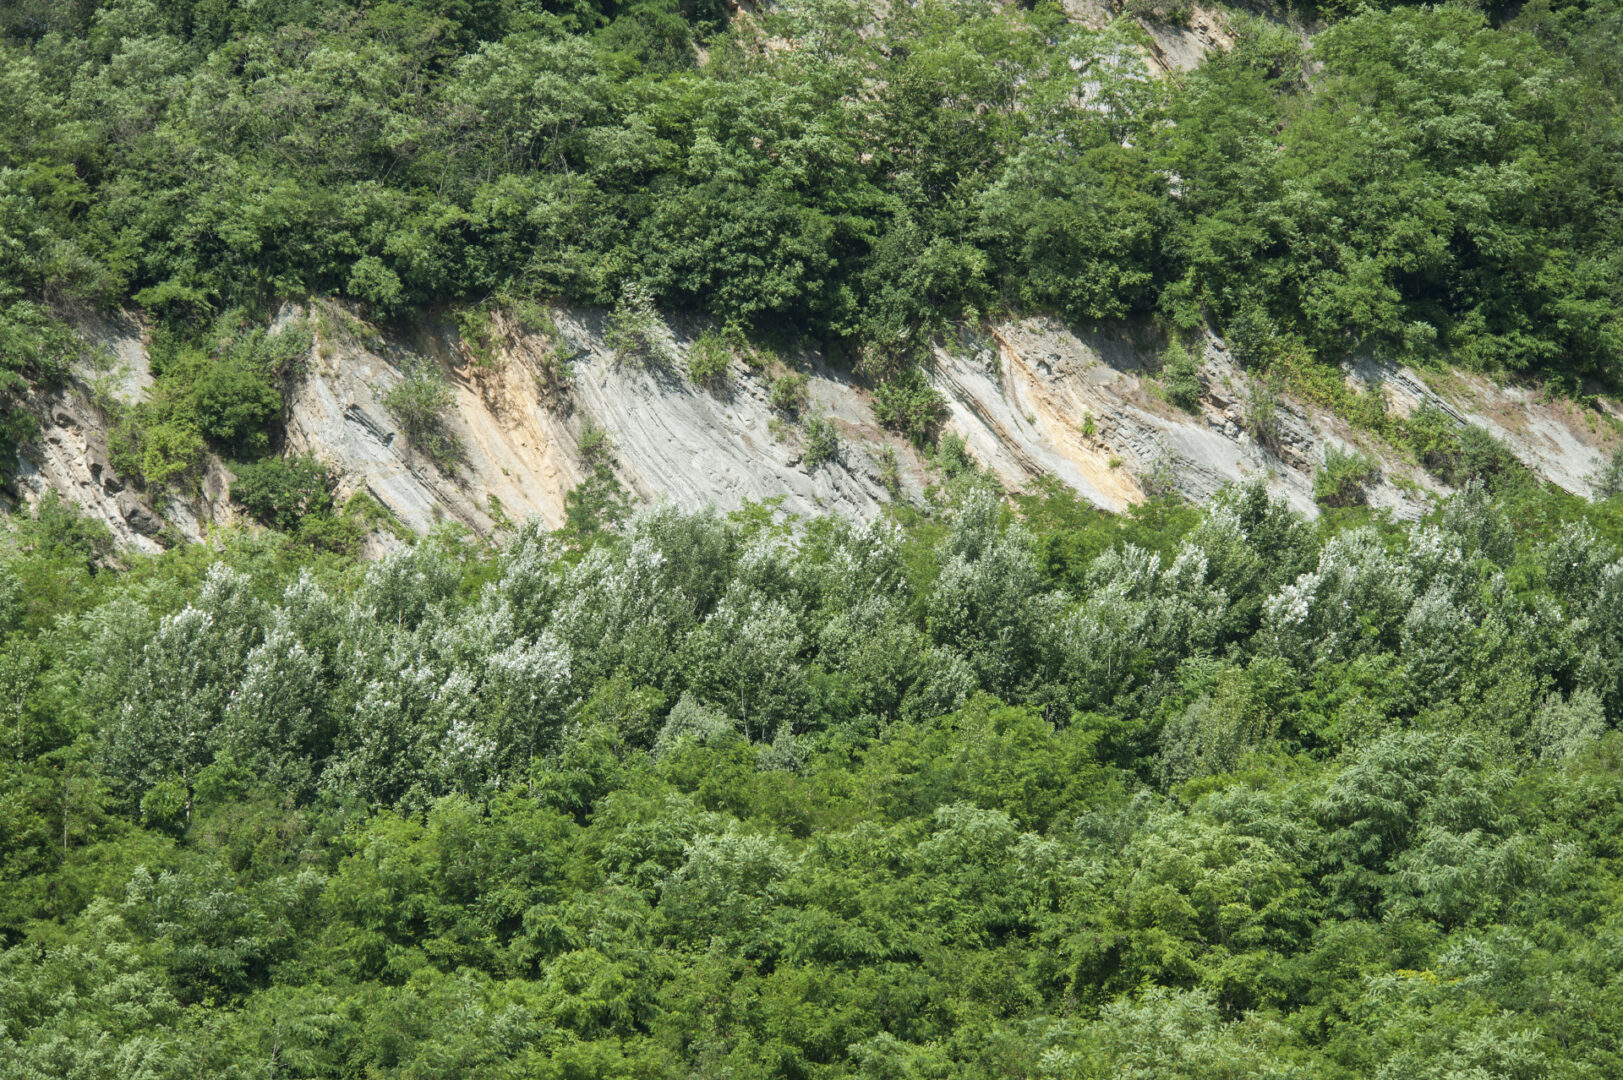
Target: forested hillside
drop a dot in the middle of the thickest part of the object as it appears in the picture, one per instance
(988, 792)
(1414, 180)
(995, 786)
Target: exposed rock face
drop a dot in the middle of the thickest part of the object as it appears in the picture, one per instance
(1555, 437)
(1030, 398)
(1172, 47)
(1182, 48)
(669, 438)
(1029, 414)
(70, 458)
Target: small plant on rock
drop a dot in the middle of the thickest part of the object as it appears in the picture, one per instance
(1181, 377)
(1341, 480)
(1262, 419)
(599, 502)
(422, 402)
(822, 442)
(477, 329)
(789, 392)
(952, 456)
(634, 331)
(708, 358)
(1608, 482)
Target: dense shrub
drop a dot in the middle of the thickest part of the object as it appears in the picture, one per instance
(708, 358)
(1180, 376)
(909, 405)
(788, 393)
(1341, 480)
(282, 492)
(822, 441)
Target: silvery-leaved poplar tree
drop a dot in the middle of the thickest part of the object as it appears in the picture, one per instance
(179, 690)
(991, 602)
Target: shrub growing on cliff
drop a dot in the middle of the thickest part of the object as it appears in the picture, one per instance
(35, 348)
(237, 403)
(1181, 377)
(1608, 481)
(789, 392)
(822, 442)
(422, 402)
(62, 530)
(282, 492)
(1452, 451)
(708, 357)
(633, 329)
(1341, 480)
(909, 405)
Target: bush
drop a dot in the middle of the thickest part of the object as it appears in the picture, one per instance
(1453, 452)
(909, 405)
(1253, 338)
(1608, 482)
(1340, 482)
(822, 442)
(1262, 415)
(236, 404)
(634, 331)
(220, 387)
(477, 328)
(35, 344)
(282, 492)
(61, 530)
(708, 357)
(421, 401)
(599, 502)
(789, 392)
(952, 456)
(890, 472)
(155, 449)
(375, 284)
(594, 445)
(1181, 377)
(533, 317)
(295, 496)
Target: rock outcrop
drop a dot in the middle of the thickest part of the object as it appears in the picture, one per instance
(1030, 398)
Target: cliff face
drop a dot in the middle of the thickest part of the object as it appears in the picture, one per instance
(1029, 398)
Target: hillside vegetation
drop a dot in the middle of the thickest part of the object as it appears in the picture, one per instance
(1413, 180)
(993, 787)
(1048, 794)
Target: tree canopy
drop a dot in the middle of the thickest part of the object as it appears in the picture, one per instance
(1414, 180)
(982, 791)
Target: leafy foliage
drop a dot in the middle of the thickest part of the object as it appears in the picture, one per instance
(422, 402)
(1439, 183)
(822, 441)
(980, 792)
(788, 392)
(909, 405)
(1340, 482)
(1181, 377)
(708, 358)
(1184, 793)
